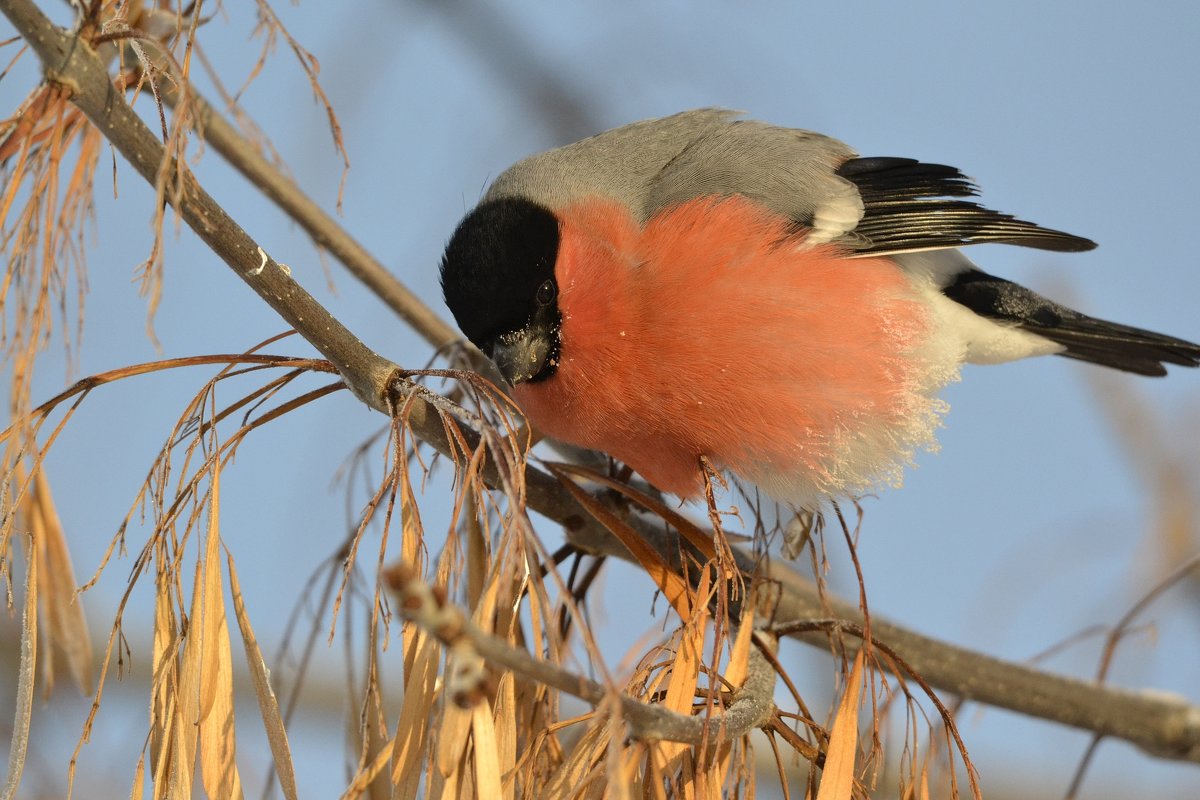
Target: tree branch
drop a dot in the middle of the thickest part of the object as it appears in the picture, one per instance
(752, 706)
(1160, 724)
(321, 227)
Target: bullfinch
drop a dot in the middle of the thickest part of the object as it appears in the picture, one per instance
(707, 286)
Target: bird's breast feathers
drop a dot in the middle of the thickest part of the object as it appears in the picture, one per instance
(717, 330)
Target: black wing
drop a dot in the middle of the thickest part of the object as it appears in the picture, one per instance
(909, 205)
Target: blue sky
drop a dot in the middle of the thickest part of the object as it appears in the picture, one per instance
(1032, 522)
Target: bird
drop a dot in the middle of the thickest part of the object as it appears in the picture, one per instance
(707, 291)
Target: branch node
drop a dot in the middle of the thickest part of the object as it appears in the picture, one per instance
(64, 82)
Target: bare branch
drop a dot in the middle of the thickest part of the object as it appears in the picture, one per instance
(751, 707)
(321, 227)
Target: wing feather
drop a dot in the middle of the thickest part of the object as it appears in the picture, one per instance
(869, 205)
(910, 205)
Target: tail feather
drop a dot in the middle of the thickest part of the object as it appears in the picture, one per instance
(1084, 338)
(1120, 346)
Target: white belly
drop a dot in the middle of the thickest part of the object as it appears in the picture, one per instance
(979, 340)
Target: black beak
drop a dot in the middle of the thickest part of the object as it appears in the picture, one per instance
(523, 355)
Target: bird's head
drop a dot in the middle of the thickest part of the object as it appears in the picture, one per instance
(498, 281)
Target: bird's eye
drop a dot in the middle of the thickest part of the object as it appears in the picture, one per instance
(545, 293)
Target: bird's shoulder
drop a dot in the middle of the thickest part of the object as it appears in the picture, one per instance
(657, 163)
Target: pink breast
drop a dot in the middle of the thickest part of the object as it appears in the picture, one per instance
(712, 332)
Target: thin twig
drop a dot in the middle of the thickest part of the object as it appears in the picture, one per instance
(1114, 638)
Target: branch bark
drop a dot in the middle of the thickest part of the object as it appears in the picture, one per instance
(1162, 725)
(752, 706)
(316, 222)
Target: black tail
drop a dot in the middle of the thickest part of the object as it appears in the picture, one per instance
(1120, 346)
(1085, 338)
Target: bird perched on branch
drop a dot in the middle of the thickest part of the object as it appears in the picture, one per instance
(700, 286)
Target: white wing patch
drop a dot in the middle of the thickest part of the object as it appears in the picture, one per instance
(836, 216)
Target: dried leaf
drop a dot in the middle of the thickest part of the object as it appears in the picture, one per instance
(739, 657)
(739, 664)
(573, 773)
(453, 735)
(687, 778)
(654, 782)
(633, 777)
(31, 121)
(268, 705)
(365, 779)
(165, 666)
(186, 719)
(673, 587)
(411, 554)
(837, 779)
(700, 538)
(161, 768)
(505, 716)
(487, 759)
(139, 779)
(477, 550)
(218, 742)
(689, 655)
(685, 675)
(64, 628)
(412, 727)
(26, 679)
